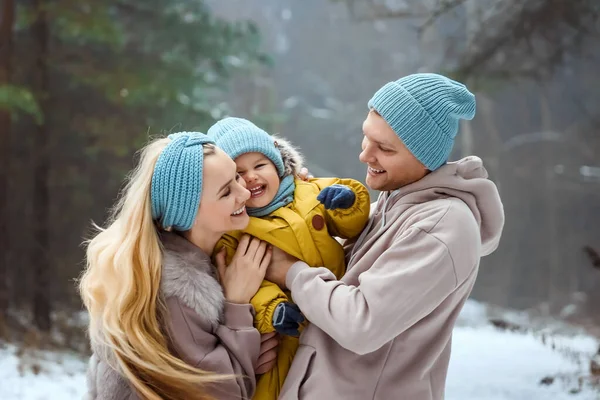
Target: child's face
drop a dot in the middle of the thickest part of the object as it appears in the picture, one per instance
(261, 178)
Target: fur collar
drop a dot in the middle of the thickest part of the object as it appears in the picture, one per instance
(292, 159)
(189, 275)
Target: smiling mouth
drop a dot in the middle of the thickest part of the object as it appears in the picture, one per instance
(376, 171)
(257, 191)
(239, 212)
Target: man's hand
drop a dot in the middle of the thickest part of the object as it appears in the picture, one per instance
(281, 262)
(267, 358)
(304, 174)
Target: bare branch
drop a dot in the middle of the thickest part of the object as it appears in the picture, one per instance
(513, 38)
(374, 10)
(443, 8)
(593, 255)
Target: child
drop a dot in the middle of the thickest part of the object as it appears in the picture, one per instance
(299, 217)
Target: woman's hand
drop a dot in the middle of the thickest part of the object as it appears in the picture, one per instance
(281, 262)
(268, 353)
(242, 278)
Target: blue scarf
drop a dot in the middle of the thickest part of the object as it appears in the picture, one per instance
(284, 196)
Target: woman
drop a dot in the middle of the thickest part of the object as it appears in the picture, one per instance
(161, 324)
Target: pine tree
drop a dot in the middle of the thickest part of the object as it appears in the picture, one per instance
(104, 76)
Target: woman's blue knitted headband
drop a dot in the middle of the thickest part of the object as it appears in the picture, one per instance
(177, 180)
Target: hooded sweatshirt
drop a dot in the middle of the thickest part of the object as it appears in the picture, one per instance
(384, 330)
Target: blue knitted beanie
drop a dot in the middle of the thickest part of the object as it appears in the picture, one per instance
(237, 136)
(424, 111)
(177, 180)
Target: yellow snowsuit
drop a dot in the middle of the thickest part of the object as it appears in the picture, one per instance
(305, 230)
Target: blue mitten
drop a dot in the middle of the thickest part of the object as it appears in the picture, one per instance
(287, 319)
(337, 196)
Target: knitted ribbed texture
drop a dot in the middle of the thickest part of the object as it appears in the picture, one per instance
(424, 111)
(177, 180)
(237, 136)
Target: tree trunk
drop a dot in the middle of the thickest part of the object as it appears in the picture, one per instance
(41, 262)
(7, 18)
(467, 146)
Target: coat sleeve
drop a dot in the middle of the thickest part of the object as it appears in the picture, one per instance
(231, 348)
(347, 223)
(265, 301)
(91, 374)
(407, 282)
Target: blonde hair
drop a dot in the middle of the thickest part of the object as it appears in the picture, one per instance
(120, 289)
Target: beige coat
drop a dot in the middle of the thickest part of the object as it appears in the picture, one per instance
(206, 331)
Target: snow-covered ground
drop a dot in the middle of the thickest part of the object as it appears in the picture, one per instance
(487, 363)
(41, 376)
(492, 364)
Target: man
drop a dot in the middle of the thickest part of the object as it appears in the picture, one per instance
(384, 330)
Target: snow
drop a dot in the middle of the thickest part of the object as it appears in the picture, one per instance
(490, 364)
(487, 363)
(61, 375)
(493, 364)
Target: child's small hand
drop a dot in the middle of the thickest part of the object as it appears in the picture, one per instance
(287, 319)
(337, 196)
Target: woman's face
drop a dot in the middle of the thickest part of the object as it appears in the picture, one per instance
(224, 194)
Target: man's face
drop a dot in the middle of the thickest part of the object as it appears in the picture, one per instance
(390, 164)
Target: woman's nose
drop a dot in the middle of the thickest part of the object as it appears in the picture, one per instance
(244, 193)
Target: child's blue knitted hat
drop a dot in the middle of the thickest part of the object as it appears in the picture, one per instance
(424, 111)
(177, 180)
(237, 136)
